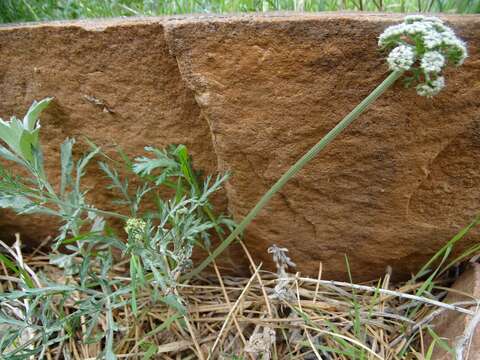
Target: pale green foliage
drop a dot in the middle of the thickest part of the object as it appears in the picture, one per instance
(158, 242)
(22, 136)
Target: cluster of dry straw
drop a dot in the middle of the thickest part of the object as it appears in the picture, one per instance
(267, 316)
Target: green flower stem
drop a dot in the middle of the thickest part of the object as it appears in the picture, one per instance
(327, 139)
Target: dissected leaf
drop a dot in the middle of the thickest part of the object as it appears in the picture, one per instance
(66, 165)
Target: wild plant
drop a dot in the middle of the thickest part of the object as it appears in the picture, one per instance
(157, 241)
(420, 49)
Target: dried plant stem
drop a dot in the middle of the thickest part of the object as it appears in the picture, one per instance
(319, 277)
(227, 301)
(305, 159)
(191, 330)
(385, 292)
(316, 305)
(426, 320)
(309, 337)
(232, 312)
(463, 342)
(259, 278)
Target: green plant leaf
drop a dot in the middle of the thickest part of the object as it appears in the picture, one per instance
(66, 165)
(428, 355)
(30, 119)
(446, 248)
(173, 301)
(8, 155)
(8, 135)
(15, 202)
(26, 144)
(151, 351)
(441, 342)
(17, 270)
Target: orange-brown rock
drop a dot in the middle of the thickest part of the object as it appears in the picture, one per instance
(451, 326)
(114, 83)
(251, 94)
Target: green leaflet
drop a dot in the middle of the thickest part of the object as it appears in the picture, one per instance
(30, 119)
(23, 137)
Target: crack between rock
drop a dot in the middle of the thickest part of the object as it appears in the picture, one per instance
(184, 75)
(169, 39)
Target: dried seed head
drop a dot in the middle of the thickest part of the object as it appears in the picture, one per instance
(261, 343)
(282, 291)
(280, 257)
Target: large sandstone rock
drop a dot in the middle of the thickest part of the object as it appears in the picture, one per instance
(113, 82)
(451, 326)
(250, 94)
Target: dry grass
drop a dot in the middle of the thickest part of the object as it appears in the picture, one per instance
(254, 318)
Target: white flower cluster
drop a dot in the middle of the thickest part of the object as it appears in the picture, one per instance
(135, 228)
(426, 40)
(431, 88)
(432, 62)
(401, 58)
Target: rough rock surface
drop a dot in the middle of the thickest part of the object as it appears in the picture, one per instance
(451, 325)
(113, 82)
(250, 94)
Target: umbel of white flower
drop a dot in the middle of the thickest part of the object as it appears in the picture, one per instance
(423, 46)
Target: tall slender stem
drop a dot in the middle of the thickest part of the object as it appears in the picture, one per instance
(327, 139)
